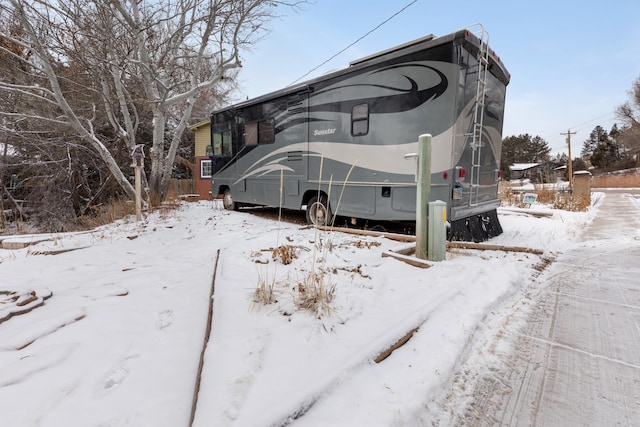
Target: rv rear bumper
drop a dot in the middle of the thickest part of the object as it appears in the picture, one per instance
(460, 212)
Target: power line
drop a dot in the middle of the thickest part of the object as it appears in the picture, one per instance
(593, 120)
(580, 126)
(371, 31)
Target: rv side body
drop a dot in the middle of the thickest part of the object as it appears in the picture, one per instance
(346, 135)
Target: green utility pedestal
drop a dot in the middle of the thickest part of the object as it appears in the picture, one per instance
(437, 249)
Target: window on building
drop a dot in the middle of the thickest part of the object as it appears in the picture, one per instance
(205, 168)
(360, 119)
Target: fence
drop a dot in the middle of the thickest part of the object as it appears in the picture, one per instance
(620, 179)
(178, 187)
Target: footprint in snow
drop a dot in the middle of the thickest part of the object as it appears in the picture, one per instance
(165, 319)
(119, 373)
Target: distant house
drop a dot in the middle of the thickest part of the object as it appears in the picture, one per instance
(202, 133)
(538, 172)
(529, 171)
(561, 172)
(634, 153)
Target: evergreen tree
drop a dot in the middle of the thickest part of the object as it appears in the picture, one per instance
(605, 154)
(579, 164)
(523, 149)
(597, 135)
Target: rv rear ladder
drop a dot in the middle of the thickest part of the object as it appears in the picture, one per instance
(478, 116)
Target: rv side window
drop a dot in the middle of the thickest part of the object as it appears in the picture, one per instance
(222, 143)
(266, 132)
(251, 134)
(360, 119)
(259, 133)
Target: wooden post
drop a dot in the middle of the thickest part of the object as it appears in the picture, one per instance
(138, 193)
(422, 195)
(137, 161)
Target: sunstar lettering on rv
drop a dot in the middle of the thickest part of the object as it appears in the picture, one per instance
(324, 132)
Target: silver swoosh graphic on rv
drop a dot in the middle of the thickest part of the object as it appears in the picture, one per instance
(380, 158)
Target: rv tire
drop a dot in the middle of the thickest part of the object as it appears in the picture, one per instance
(318, 211)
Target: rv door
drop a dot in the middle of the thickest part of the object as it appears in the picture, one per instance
(221, 149)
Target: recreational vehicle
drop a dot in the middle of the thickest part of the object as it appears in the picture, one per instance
(341, 144)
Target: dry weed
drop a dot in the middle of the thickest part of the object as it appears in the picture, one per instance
(563, 200)
(353, 270)
(168, 209)
(507, 195)
(264, 293)
(546, 195)
(108, 213)
(568, 202)
(314, 295)
(362, 244)
(285, 253)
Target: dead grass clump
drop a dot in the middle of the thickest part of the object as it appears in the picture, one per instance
(353, 270)
(168, 208)
(171, 203)
(264, 292)
(314, 295)
(508, 196)
(108, 213)
(581, 204)
(154, 199)
(360, 244)
(285, 253)
(546, 195)
(118, 209)
(568, 202)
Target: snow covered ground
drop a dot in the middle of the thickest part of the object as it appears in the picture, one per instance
(120, 314)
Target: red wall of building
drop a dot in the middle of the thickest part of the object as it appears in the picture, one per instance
(203, 185)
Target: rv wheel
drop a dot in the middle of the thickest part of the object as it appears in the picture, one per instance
(227, 201)
(318, 211)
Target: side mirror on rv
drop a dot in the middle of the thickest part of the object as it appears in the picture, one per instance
(208, 151)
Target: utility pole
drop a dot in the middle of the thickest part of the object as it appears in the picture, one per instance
(570, 163)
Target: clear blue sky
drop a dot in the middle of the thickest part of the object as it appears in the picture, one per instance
(571, 62)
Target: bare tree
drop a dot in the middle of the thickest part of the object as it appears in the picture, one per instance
(629, 114)
(109, 62)
(40, 26)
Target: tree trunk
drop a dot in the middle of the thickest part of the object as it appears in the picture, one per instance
(173, 148)
(157, 156)
(115, 170)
